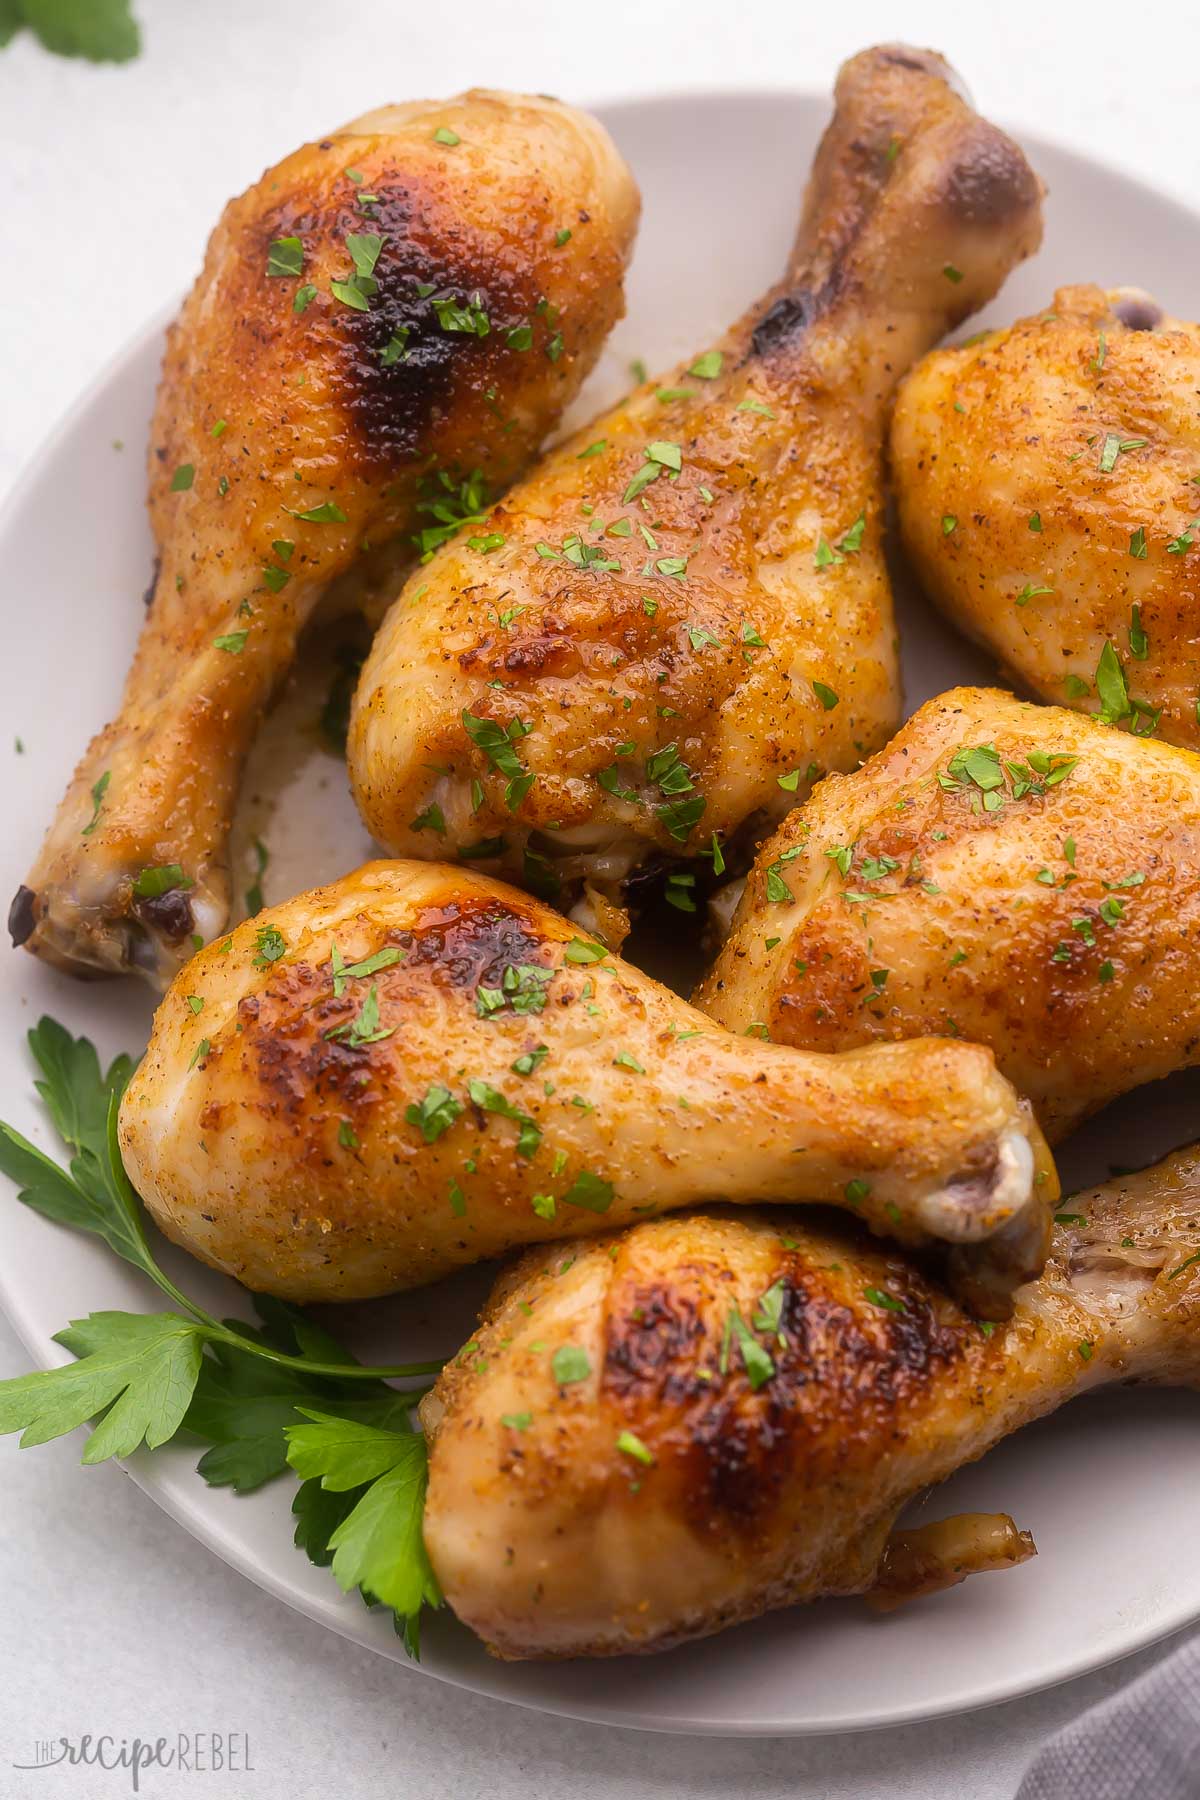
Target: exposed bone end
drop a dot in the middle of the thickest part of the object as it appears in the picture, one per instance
(938, 1556)
(22, 915)
(112, 932)
(1137, 310)
(904, 56)
(999, 1218)
(981, 1201)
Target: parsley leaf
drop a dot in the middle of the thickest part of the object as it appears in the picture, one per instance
(435, 1113)
(100, 30)
(142, 1378)
(377, 1546)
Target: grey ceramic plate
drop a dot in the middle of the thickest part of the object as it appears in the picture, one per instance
(1108, 1488)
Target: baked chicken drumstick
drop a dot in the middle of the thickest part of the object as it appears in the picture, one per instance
(1046, 484)
(416, 1068)
(683, 613)
(684, 1425)
(389, 318)
(1015, 873)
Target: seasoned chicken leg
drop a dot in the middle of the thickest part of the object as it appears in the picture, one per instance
(1015, 873)
(416, 1068)
(1046, 482)
(687, 1424)
(683, 615)
(388, 319)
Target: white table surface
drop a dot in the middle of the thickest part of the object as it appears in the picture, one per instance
(111, 1618)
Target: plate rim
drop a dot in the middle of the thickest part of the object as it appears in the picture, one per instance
(203, 1524)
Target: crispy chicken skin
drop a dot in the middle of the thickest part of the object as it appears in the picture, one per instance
(416, 1068)
(1018, 874)
(1065, 451)
(662, 1432)
(348, 410)
(688, 601)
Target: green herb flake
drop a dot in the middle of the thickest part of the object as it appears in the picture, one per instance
(98, 791)
(888, 1302)
(285, 256)
(631, 1445)
(570, 1364)
(149, 884)
(434, 1114)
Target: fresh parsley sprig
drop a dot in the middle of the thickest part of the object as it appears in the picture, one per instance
(255, 1394)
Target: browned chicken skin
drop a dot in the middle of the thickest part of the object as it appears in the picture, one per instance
(1046, 486)
(415, 1068)
(1016, 874)
(321, 387)
(658, 1434)
(683, 614)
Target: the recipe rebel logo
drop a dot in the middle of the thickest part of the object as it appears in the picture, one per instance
(185, 1752)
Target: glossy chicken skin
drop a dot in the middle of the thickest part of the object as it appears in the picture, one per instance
(1052, 913)
(295, 427)
(416, 1068)
(663, 1432)
(1046, 484)
(687, 603)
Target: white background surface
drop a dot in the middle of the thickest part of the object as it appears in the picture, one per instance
(111, 1619)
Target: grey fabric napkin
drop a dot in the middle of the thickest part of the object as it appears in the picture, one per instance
(1143, 1744)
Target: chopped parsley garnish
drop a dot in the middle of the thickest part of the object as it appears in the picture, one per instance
(778, 890)
(270, 945)
(569, 1364)
(365, 1027)
(497, 741)
(444, 135)
(889, 1302)
(149, 884)
(469, 318)
(629, 1444)
(660, 457)
(232, 642)
(344, 972)
(285, 256)
(825, 695)
(522, 991)
(708, 366)
(183, 478)
(328, 513)
(99, 789)
(491, 1100)
(590, 1192)
(1111, 686)
(1139, 643)
(434, 1114)
(757, 1363)
(431, 819)
(579, 950)
(1115, 446)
